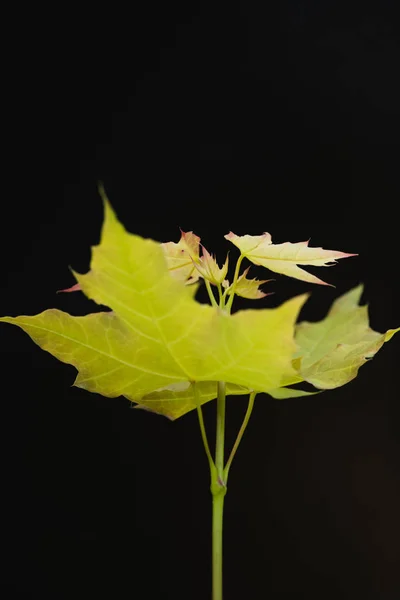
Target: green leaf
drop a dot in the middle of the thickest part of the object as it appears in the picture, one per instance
(248, 288)
(157, 334)
(332, 350)
(284, 258)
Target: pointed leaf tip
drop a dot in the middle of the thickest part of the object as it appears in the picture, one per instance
(100, 188)
(74, 288)
(111, 224)
(390, 333)
(103, 196)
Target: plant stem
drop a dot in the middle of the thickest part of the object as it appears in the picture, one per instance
(240, 435)
(235, 278)
(220, 438)
(211, 294)
(217, 520)
(218, 490)
(221, 296)
(203, 431)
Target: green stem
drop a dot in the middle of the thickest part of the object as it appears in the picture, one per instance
(235, 278)
(203, 431)
(217, 524)
(220, 438)
(240, 435)
(211, 294)
(218, 490)
(221, 296)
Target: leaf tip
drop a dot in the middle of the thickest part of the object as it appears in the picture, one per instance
(104, 197)
(110, 217)
(74, 288)
(390, 333)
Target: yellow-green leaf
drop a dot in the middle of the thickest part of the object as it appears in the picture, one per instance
(284, 258)
(181, 257)
(107, 353)
(248, 288)
(157, 334)
(332, 350)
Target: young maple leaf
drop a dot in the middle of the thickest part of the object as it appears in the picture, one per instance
(182, 256)
(248, 288)
(284, 258)
(208, 268)
(331, 351)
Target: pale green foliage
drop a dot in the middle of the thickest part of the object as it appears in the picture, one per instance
(332, 350)
(157, 340)
(169, 354)
(284, 258)
(157, 334)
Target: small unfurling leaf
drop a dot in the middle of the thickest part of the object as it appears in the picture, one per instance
(208, 268)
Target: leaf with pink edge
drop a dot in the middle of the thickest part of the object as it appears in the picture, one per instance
(284, 258)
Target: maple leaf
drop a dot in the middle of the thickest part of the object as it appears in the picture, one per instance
(208, 268)
(247, 288)
(182, 256)
(156, 334)
(331, 351)
(284, 258)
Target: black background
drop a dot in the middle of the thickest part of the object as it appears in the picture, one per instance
(211, 119)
